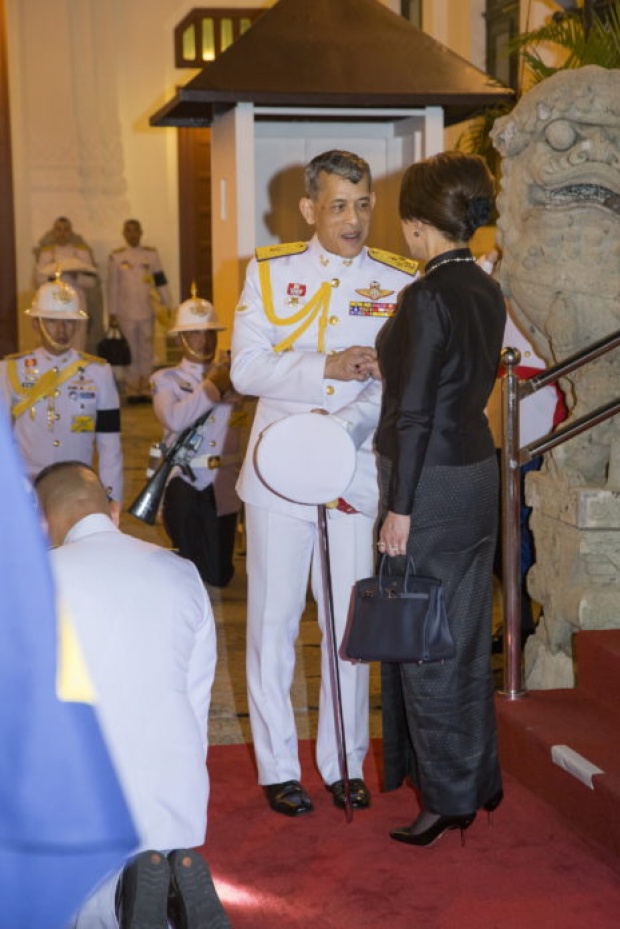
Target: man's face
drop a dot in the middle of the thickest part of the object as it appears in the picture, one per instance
(340, 214)
(63, 231)
(200, 344)
(133, 234)
(56, 334)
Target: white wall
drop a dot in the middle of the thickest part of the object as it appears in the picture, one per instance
(85, 76)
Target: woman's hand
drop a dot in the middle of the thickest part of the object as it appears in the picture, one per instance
(394, 534)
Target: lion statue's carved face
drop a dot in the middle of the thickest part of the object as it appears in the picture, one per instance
(560, 235)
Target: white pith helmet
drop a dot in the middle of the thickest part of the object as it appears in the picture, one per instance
(56, 300)
(196, 313)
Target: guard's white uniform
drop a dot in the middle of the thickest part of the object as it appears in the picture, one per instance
(179, 398)
(133, 273)
(537, 413)
(68, 421)
(319, 303)
(146, 629)
(51, 256)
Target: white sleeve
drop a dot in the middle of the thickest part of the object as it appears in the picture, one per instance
(108, 437)
(201, 670)
(176, 409)
(256, 369)
(361, 416)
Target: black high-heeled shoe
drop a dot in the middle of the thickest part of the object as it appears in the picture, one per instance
(441, 825)
(492, 804)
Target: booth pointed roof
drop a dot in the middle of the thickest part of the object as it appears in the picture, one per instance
(333, 53)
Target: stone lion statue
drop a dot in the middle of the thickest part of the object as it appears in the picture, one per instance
(560, 233)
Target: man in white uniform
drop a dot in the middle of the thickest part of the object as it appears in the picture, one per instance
(146, 630)
(200, 506)
(63, 249)
(304, 339)
(135, 280)
(63, 403)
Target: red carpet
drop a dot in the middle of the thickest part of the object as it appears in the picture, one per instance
(529, 871)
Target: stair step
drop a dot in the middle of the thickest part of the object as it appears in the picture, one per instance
(528, 730)
(597, 654)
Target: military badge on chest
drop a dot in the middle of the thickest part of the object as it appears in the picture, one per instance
(294, 293)
(373, 303)
(31, 372)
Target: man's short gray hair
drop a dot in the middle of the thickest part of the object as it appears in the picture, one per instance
(344, 164)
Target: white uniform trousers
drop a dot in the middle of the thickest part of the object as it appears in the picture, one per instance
(140, 334)
(280, 554)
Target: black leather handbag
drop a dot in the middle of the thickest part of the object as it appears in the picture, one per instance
(398, 618)
(114, 348)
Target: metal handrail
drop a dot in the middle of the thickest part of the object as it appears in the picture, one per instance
(514, 389)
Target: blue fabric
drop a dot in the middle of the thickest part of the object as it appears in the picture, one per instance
(64, 822)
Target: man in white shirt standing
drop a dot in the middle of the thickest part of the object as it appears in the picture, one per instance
(136, 283)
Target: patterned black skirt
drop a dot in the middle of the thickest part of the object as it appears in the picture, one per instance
(439, 719)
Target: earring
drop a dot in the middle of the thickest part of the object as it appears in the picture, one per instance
(416, 234)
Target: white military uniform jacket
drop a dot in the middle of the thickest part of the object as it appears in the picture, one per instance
(133, 273)
(51, 255)
(298, 304)
(68, 419)
(179, 399)
(146, 629)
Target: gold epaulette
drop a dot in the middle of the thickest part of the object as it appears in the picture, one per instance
(92, 359)
(408, 265)
(280, 251)
(121, 248)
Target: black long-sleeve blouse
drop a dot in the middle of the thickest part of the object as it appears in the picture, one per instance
(438, 356)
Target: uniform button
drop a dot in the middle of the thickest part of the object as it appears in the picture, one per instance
(212, 444)
(335, 282)
(330, 389)
(333, 320)
(57, 393)
(56, 370)
(56, 443)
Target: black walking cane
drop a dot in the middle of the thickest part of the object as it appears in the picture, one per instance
(332, 644)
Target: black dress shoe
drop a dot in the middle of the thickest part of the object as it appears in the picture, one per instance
(193, 902)
(142, 892)
(358, 793)
(289, 798)
(434, 831)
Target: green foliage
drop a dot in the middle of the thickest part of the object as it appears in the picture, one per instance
(574, 47)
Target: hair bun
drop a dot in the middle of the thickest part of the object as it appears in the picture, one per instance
(480, 211)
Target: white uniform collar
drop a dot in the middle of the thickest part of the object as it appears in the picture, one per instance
(192, 367)
(328, 260)
(59, 360)
(89, 525)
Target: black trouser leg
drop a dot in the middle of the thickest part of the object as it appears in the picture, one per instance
(198, 533)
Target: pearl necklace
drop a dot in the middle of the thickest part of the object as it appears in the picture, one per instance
(448, 261)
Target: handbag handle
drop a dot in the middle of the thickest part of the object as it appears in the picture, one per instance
(410, 571)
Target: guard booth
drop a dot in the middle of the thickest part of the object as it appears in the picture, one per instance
(307, 76)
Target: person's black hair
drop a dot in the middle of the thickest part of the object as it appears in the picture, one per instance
(452, 191)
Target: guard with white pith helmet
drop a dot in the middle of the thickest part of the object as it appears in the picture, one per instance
(200, 503)
(63, 403)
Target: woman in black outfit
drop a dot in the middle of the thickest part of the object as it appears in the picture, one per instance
(438, 358)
